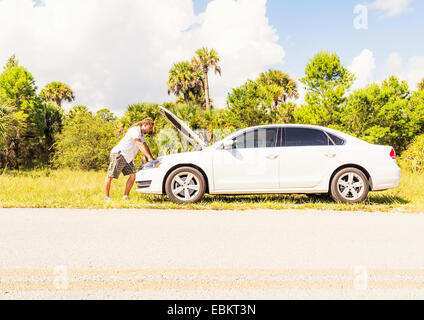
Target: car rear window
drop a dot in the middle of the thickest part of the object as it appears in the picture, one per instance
(298, 137)
(337, 140)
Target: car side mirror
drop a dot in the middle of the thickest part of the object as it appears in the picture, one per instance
(228, 145)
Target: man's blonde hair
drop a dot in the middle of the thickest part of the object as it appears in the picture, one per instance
(147, 121)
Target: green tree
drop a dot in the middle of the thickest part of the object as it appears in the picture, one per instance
(285, 112)
(278, 86)
(23, 133)
(13, 124)
(421, 85)
(78, 109)
(4, 123)
(327, 82)
(85, 141)
(185, 82)
(138, 111)
(246, 106)
(8, 124)
(387, 114)
(204, 60)
(57, 92)
(413, 157)
(12, 62)
(52, 118)
(17, 86)
(106, 115)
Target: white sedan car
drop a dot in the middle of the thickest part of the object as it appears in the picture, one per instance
(272, 159)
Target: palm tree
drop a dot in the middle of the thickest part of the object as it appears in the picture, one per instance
(184, 80)
(279, 86)
(204, 60)
(57, 92)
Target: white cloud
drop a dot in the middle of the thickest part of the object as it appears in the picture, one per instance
(113, 53)
(391, 7)
(394, 64)
(413, 72)
(363, 66)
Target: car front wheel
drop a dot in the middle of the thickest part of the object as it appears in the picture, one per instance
(185, 185)
(350, 185)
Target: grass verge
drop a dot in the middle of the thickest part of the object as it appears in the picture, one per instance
(84, 190)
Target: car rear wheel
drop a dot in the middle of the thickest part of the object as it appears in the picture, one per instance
(350, 185)
(185, 185)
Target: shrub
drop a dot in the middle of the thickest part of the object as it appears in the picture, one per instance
(85, 141)
(413, 157)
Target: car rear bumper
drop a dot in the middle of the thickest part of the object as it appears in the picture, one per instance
(386, 177)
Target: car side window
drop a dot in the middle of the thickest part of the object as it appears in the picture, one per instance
(302, 137)
(257, 138)
(337, 141)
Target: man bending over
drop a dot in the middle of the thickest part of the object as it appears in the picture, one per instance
(122, 156)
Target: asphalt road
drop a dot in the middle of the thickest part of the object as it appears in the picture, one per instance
(150, 254)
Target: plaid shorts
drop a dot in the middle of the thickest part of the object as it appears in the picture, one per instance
(118, 164)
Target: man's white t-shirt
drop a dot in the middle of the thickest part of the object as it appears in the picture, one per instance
(127, 146)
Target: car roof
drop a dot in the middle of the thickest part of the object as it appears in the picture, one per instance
(338, 133)
(290, 125)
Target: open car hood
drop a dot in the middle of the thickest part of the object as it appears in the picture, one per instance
(184, 129)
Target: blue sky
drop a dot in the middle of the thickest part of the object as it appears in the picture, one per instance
(114, 53)
(305, 27)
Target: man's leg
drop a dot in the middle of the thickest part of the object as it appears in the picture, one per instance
(108, 182)
(130, 184)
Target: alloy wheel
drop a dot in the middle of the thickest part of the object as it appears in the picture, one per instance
(185, 186)
(351, 186)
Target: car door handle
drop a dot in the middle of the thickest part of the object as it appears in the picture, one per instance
(272, 156)
(330, 155)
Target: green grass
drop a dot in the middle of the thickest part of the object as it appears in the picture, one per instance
(77, 189)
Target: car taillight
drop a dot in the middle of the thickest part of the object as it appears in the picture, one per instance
(393, 154)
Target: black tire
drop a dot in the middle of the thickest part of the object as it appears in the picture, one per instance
(197, 179)
(337, 190)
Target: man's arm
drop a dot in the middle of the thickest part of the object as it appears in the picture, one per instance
(144, 148)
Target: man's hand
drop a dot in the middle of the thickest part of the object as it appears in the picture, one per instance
(144, 148)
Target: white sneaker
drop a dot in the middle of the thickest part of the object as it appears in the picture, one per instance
(126, 198)
(108, 199)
